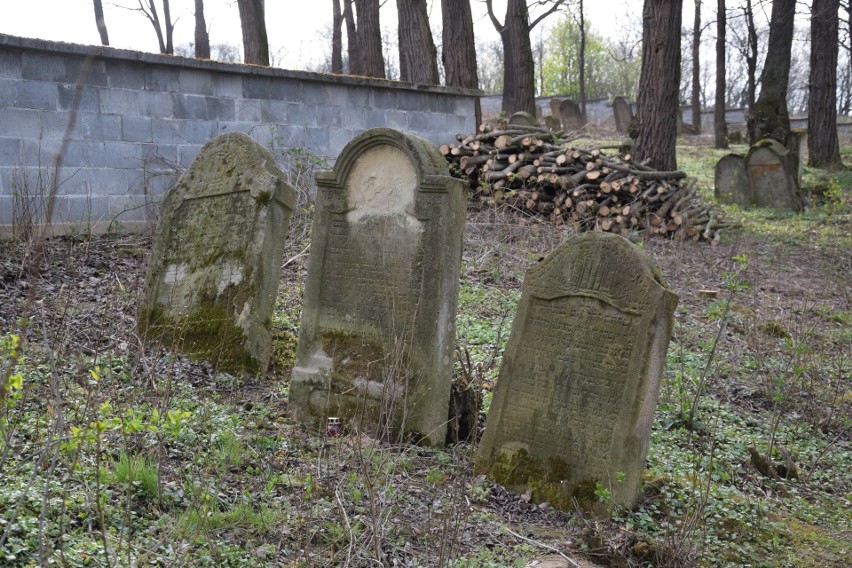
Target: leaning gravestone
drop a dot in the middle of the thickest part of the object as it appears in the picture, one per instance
(623, 114)
(378, 319)
(773, 175)
(214, 269)
(572, 117)
(732, 183)
(574, 401)
(523, 118)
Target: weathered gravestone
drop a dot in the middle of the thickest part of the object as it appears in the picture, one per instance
(732, 183)
(572, 117)
(554, 107)
(574, 401)
(773, 175)
(623, 114)
(552, 123)
(214, 270)
(378, 318)
(523, 118)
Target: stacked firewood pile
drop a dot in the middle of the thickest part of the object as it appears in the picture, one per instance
(541, 173)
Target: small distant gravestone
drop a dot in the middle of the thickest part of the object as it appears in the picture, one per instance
(623, 114)
(214, 269)
(773, 175)
(554, 106)
(523, 118)
(377, 334)
(574, 402)
(732, 183)
(552, 123)
(571, 115)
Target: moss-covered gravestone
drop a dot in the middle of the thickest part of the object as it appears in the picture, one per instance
(732, 183)
(773, 172)
(571, 115)
(214, 270)
(574, 401)
(523, 119)
(623, 114)
(378, 317)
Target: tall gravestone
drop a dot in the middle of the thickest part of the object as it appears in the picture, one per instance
(623, 114)
(571, 115)
(731, 181)
(773, 175)
(214, 269)
(554, 107)
(574, 401)
(378, 319)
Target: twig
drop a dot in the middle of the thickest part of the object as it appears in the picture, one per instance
(543, 545)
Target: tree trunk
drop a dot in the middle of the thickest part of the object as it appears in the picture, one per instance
(372, 63)
(202, 38)
(255, 43)
(696, 68)
(355, 64)
(769, 116)
(659, 84)
(582, 61)
(720, 126)
(101, 22)
(170, 27)
(418, 58)
(336, 38)
(459, 53)
(751, 57)
(823, 147)
(518, 66)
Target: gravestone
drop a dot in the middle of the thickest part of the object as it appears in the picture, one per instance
(572, 117)
(523, 118)
(214, 269)
(732, 184)
(623, 114)
(575, 398)
(552, 123)
(773, 175)
(377, 335)
(554, 107)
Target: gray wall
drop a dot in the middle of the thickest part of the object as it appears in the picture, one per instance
(141, 117)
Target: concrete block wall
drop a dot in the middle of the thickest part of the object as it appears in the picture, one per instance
(126, 122)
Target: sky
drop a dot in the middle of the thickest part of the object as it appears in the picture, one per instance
(298, 30)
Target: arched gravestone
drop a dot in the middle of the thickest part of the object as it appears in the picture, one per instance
(574, 401)
(214, 270)
(623, 114)
(570, 114)
(377, 335)
(732, 184)
(773, 175)
(554, 107)
(523, 118)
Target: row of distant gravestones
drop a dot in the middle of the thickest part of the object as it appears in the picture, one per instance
(575, 398)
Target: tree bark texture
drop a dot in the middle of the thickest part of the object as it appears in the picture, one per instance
(518, 65)
(659, 84)
(371, 61)
(418, 57)
(751, 57)
(255, 42)
(720, 126)
(355, 66)
(823, 147)
(336, 38)
(769, 116)
(459, 52)
(582, 60)
(101, 22)
(202, 38)
(170, 27)
(696, 68)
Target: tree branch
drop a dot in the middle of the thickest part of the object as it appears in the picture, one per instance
(497, 25)
(553, 8)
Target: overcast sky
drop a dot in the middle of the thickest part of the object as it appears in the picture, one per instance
(299, 30)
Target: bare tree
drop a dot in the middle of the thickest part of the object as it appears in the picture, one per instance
(659, 83)
(355, 62)
(336, 38)
(518, 69)
(101, 22)
(369, 46)
(769, 117)
(458, 51)
(720, 126)
(696, 68)
(202, 38)
(164, 30)
(418, 57)
(823, 147)
(581, 21)
(253, 23)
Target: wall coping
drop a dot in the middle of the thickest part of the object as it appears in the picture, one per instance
(178, 61)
